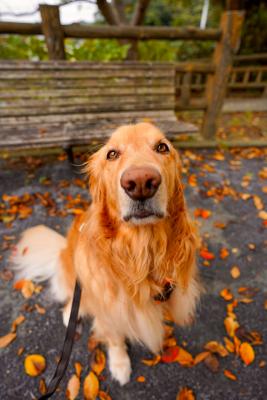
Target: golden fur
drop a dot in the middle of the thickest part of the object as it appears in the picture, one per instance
(121, 265)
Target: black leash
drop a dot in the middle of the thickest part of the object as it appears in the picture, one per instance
(67, 346)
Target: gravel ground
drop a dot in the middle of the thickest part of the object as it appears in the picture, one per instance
(225, 175)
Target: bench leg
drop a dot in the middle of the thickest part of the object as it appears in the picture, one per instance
(68, 150)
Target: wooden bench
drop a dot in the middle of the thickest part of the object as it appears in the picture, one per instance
(60, 103)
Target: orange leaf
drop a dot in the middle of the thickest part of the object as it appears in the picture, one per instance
(229, 345)
(140, 378)
(201, 357)
(18, 285)
(17, 322)
(7, 339)
(224, 253)
(153, 361)
(39, 309)
(73, 387)
(185, 394)
(247, 353)
(229, 375)
(207, 255)
(184, 358)
(90, 386)
(230, 325)
(215, 347)
(34, 364)
(170, 354)
(103, 395)
(99, 361)
(78, 369)
(226, 294)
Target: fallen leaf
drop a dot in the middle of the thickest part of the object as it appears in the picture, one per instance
(224, 253)
(219, 225)
(17, 322)
(226, 294)
(185, 394)
(207, 255)
(258, 202)
(39, 309)
(170, 354)
(34, 364)
(99, 361)
(229, 375)
(103, 395)
(262, 364)
(73, 387)
(140, 378)
(235, 272)
(78, 369)
(215, 347)
(212, 363)
(92, 343)
(90, 386)
(153, 361)
(265, 305)
(7, 339)
(184, 358)
(42, 387)
(169, 342)
(201, 357)
(230, 325)
(20, 351)
(229, 345)
(247, 353)
(263, 215)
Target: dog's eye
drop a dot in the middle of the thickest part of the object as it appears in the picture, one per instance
(112, 155)
(162, 148)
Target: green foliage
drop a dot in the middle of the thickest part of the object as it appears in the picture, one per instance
(22, 48)
(95, 50)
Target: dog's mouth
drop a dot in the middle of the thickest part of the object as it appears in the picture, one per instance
(142, 210)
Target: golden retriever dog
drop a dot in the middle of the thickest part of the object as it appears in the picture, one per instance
(133, 250)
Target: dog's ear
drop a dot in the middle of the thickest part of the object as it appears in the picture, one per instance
(96, 186)
(184, 238)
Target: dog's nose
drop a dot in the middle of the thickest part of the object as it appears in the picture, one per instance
(140, 183)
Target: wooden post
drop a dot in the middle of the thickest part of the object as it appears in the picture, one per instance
(52, 30)
(231, 24)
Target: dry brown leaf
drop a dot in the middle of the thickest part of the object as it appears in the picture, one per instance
(92, 343)
(215, 347)
(140, 378)
(246, 353)
(73, 387)
(235, 272)
(78, 369)
(212, 363)
(185, 394)
(229, 375)
(7, 339)
(99, 361)
(262, 364)
(20, 351)
(265, 305)
(230, 325)
(17, 322)
(153, 361)
(34, 364)
(201, 357)
(90, 386)
(226, 294)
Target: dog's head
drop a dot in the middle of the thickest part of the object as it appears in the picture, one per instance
(136, 174)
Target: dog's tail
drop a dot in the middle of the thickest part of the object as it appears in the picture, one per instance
(37, 258)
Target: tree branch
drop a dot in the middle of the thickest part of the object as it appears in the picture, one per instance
(139, 12)
(108, 12)
(119, 9)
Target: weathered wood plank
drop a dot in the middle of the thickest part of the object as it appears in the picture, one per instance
(54, 35)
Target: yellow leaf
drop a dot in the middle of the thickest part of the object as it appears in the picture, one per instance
(7, 339)
(91, 386)
(185, 394)
(73, 387)
(201, 357)
(153, 361)
(184, 358)
(99, 361)
(230, 325)
(235, 272)
(27, 289)
(34, 364)
(17, 322)
(247, 353)
(229, 345)
(229, 375)
(263, 215)
(258, 202)
(215, 347)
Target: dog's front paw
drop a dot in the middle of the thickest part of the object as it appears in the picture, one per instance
(119, 364)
